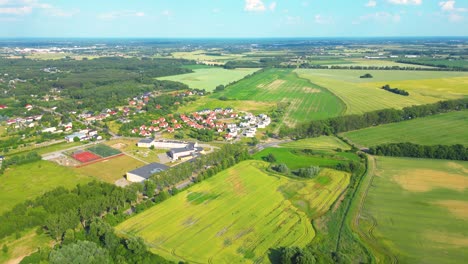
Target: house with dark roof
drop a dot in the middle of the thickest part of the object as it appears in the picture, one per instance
(145, 143)
(145, 172)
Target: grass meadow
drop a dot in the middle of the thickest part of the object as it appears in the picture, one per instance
(110, 170)
(20, 183)
(307, 101)
(416, 210)
(27, 244)
(238, 105)
(209, 78)
(445, 129)
(237, 215)
(319, 143)
(364, 95)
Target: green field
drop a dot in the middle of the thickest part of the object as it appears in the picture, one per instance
(416, 211)
(307, 101)
(295, 159)
(110, 170)
(103, 150)
(318, 143)
(209, 78)
(20, 183)
(444, 129)
(27, 244)
(238, 105)
(237, 215)
(364, 95)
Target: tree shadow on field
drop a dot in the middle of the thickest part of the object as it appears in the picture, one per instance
(274, 254)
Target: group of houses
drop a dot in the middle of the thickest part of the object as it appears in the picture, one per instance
(82, 135)
(248, 126)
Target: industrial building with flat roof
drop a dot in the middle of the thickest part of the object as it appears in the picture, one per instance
(145, 172)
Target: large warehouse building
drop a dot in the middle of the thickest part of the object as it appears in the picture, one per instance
(145, 172)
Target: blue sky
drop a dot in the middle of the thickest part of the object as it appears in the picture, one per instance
(232, 18)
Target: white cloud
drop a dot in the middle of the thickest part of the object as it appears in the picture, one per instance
(405, 2)
(371, 3)
(323, 20)
(24, 7)
(450, 6)
(293, 20)
(455, 17)
(272, 6)
(117, 14)
(381, 17)
(254, 5)
(16, 10)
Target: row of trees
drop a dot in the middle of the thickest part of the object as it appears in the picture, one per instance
(19, 160)
(205, 166)
(62, 209)
(380, 68)
(395, 90)
(453, 152)
(352, 122)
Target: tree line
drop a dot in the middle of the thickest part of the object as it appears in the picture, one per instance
(380, 68)
(395, 90)
(353, 122)
(19, 160)
(453, 152)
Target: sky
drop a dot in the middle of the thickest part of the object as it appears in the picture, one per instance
(232, 18)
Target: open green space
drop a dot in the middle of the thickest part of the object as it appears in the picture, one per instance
(237, 215)
(20, 183)
(296, 158)
(416, 211)
(444, 129)
(306, 100)
(238, 105)
(363, 95)
(318, 143)
(209, 78)
(19, 248)
(110, 170)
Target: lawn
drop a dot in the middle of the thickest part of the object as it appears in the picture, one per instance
(237, 215)
(416, 210)
(20, 183)
(103, 150)
(318, 143)
(209, 78)
(130, 148)
(364, 95)
(444, 129)
(110, 170)
(307, 101)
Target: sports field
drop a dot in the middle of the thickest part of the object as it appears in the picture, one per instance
(85, 156)
(209, 78)
(416, 210)
(364, 95)
(237, 215)
(444, 129)
(20, 183)
(307, 101)
(110, 170)
(103, 150)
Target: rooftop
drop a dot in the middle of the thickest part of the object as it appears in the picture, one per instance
(148, 170)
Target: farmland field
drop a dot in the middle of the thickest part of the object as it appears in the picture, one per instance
(209, 78)
(364, 95)
(416, 210)
(238, 105)
(237, 215)
(20, 183)
(307, 101)
(110, 170)
(444, 129)
(24, 246)
(295, 159)
(318, 143)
